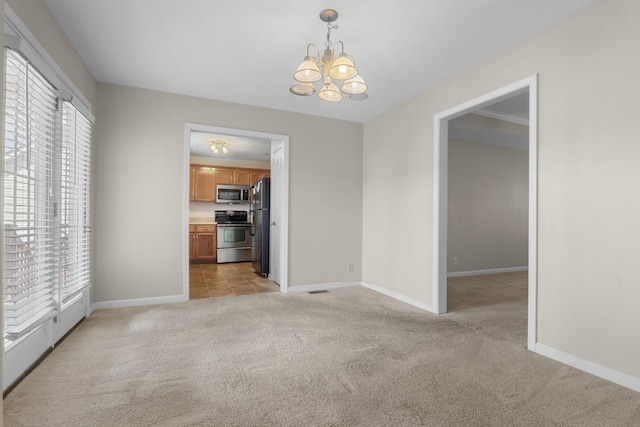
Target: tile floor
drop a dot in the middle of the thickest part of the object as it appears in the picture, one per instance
(221, 280)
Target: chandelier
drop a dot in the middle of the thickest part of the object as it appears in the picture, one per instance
(218, 145)
(330, 68)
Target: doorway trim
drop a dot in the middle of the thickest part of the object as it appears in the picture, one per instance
(277, 140)
(440, 170)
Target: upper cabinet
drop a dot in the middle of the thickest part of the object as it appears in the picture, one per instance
(256, 175)
(233, 177)
(203, 180)
(224, 176)
(242, 178)
(204, 184)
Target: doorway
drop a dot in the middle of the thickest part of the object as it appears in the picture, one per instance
(278, 206)
(441, 138)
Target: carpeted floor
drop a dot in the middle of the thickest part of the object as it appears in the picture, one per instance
(349, 357)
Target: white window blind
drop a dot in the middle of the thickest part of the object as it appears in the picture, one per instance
(46, 206)
(30, 231)
(75, 228)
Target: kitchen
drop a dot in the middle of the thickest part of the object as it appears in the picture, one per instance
(229, 182)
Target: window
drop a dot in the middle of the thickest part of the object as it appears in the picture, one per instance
(29, 207)
(47, 170)
(75, 224)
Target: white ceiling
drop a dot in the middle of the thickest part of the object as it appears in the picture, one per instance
(246, 51)
(240, 148)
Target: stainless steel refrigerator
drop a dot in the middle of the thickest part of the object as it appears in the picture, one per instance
(260, 192)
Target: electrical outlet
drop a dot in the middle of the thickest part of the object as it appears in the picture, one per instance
(350, 267)
(455, 259)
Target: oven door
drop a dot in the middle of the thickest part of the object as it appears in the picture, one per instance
(233, 236)
(234, 243)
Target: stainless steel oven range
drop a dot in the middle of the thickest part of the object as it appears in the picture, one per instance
(234, 240)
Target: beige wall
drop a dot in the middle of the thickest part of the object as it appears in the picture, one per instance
(488, 189)
(588, 281)
(140, 190)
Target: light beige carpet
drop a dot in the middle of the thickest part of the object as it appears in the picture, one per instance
(350, 357)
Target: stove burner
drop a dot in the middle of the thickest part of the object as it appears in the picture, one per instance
(231, 217)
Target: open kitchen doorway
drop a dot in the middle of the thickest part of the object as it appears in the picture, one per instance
(277, 155)
(441, 188)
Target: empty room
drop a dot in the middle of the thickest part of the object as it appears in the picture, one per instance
(309, 213)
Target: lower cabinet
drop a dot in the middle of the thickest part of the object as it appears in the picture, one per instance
(202, 242)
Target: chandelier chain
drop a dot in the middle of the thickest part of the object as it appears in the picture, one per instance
(330, 27)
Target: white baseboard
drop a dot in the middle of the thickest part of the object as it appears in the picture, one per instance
(138, 302)
(489, 271)
(608, 374)
(322, 286)
(400, 297)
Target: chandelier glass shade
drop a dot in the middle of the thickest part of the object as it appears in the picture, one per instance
(330, 68)
(308, 71)
(342, 68)
(303, 89)
(354, 86)
(330, 92)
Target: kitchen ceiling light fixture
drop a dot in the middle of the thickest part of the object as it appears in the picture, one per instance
(331, 68)
(218, 145)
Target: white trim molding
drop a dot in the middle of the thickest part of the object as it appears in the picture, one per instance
(137, 302)
(488, 271)
(277, 140)
(600, 371)
(440, 197)
(400, 297)
(322, 286)
(502, 117)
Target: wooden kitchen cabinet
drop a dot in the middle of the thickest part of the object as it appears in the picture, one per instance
(224, 176)
(202, 242)
(242, 177)
(203, 180)
(233, 177)
(258, 174)
(192, 183)
(192, 246)
(204, 183)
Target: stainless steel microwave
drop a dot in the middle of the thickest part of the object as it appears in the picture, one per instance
(237, 194)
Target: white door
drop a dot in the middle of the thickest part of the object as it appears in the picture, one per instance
(275, 249)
